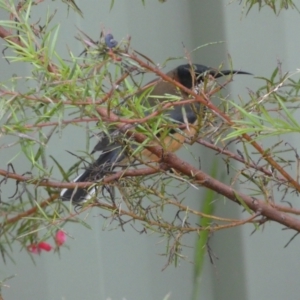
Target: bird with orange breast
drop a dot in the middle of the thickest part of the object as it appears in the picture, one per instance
(114, 152)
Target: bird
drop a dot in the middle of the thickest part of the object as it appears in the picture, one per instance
(114, 151)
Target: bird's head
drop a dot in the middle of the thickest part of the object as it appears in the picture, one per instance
(190, 75)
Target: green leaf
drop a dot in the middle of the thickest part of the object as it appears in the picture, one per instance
(201, 243)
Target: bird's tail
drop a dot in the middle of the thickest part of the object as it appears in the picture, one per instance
(106, 162)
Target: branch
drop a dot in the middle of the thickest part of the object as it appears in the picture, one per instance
(203, 100)
(258, 206)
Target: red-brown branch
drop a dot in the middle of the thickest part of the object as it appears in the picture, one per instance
(202, 99)
(258, 206)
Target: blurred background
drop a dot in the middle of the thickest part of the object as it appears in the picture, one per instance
(113, 264)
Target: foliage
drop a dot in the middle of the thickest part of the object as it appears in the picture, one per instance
(276, 5)
(103, 89)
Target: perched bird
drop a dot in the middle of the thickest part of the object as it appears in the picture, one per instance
(114, 151)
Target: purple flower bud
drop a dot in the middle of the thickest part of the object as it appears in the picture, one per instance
(109, 41)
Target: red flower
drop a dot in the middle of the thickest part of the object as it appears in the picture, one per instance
(36, 248)
(33, 249)
(60, 238)
(44, 246)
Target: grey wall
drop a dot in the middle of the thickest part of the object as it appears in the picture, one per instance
(261, 39)
(125, 265)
